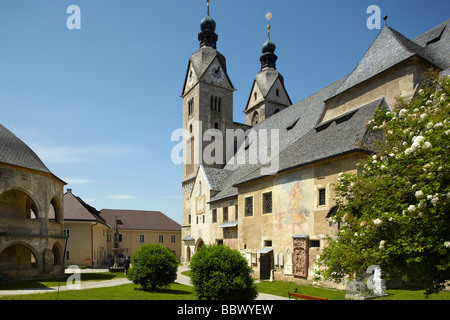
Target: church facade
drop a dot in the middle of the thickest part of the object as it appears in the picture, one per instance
(267, 188)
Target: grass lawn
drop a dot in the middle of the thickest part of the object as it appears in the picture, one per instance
(183, 292)
(122, 292)
(281, 288)
(53, 282)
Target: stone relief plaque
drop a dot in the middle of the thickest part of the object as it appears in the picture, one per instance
(300, 256)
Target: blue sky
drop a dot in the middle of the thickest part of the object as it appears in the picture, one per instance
(99, 104)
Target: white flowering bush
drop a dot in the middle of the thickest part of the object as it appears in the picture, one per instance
(395, 212)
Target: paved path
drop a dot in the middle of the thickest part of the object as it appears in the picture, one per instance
(181, 279)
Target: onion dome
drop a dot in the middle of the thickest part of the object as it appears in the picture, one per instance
(208, 37)
(268, 58)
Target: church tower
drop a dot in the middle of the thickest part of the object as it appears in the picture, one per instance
(207, 103)
(268, 95)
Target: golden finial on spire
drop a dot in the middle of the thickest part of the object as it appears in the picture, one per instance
(268, 17)
(207, 4)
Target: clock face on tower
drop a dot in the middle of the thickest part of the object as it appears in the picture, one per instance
(191, 77)
(216, 73)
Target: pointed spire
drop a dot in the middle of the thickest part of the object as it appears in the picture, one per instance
(208, 37)
(268, 59)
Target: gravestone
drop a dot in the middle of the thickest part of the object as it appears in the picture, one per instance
(301, 255)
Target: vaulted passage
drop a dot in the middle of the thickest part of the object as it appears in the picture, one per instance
(17, 204)
(17, 261)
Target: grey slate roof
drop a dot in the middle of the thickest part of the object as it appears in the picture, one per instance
(265, 80)
(215, 177)
(437, 43)
(332, 138)
(14, 151)
(293, 122)
(389, 48)
(304, 140)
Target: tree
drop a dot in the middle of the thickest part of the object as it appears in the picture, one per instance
(395, 211)
(153, 267)
(221, 273)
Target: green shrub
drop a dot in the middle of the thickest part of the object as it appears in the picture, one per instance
(153, 267)
(221, 273)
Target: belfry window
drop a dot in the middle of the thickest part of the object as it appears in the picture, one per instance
(191, 106)
(216, 103)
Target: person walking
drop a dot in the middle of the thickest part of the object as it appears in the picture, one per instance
(126, 264)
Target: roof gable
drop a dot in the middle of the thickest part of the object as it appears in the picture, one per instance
(76, 209)
(388, 49)
(264, 83)
(201, 60)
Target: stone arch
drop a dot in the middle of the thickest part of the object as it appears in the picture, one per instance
(199, 244)
(255, 118)
(19, 260)
(18, 203)
(55, 211)
(57, 252)
(188, 254)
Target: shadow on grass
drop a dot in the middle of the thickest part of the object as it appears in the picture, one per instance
(52, 282)
(164, 291)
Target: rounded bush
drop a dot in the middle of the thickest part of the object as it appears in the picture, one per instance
(153, 266)
(221, 273)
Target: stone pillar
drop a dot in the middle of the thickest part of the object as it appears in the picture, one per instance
(300, 256)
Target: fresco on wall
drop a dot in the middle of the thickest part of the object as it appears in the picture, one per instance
(291, 211)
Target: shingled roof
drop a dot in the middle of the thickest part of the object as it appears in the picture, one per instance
(336, 137)
(303, 140)
(389, 49)
(292, 122)
(14, 151)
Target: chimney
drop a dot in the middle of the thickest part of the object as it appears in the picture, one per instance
(69, 190)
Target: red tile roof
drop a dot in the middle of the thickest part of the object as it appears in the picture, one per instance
(140, 220)
(76, 209)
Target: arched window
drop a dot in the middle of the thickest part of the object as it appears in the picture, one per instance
(191, 106)
(255, 118)
(255, 96)
(216, 125)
